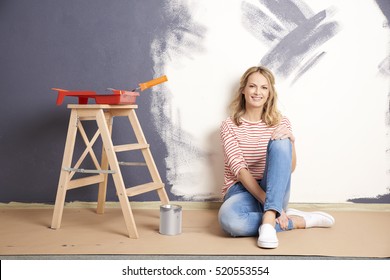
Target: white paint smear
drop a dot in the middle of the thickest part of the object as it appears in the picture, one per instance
(337, 109)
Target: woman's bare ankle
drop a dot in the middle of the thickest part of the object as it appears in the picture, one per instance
(298, 222)
(269, 217)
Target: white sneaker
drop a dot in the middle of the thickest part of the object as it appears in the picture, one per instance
(267, 237)
(313, 219)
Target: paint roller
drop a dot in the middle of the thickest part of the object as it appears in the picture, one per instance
(151, 83)
(148, 84)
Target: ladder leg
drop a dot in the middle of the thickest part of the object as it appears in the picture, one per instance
(147, 156)
(117, 176)
(64, 175)
(104, 165)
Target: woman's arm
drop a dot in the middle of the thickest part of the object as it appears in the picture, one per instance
(250, 183)
(236, 162)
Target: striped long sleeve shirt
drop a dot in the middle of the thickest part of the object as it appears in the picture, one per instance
(245, 146)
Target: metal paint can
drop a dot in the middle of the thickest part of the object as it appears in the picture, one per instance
(170, 219)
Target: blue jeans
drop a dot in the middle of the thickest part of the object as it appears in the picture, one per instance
(241, 213)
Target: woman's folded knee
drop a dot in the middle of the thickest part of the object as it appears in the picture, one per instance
(281, 146)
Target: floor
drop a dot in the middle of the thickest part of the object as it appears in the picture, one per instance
(25, 231)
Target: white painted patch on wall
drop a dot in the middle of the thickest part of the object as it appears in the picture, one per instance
(337, 109)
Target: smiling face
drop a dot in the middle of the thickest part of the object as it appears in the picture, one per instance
(256, 91)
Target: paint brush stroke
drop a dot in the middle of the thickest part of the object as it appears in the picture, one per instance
(384, 6)
(384, 66)
(308, 65)
(256, 19)
(385, 198)
(293, 48)
(293, 36)
(178, 36)
(287, 12)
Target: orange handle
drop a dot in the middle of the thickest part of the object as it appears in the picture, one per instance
(153, 82)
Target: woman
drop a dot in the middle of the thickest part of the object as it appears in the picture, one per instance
(259, 154)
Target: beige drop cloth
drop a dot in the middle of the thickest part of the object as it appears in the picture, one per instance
(27, 232)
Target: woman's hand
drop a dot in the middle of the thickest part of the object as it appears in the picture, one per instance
(282, 132)
(282, 220)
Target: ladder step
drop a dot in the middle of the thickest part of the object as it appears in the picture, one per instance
(133, 191)
(130, 147)
(86, 181)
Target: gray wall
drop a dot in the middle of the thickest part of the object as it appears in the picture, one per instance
(73, 44)
(77, 44)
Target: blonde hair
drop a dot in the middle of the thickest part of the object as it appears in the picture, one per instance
(270, 115)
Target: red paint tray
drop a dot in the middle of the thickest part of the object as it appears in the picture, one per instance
(124, 97)
(117, 97)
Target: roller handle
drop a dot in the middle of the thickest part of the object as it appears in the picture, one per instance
(152, 83)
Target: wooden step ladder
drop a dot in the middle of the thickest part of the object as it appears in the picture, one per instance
(104, 115)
